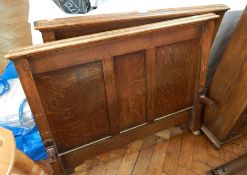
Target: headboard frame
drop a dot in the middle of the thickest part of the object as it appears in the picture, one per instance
(97, 92)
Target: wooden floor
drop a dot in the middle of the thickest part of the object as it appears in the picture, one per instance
(14, 27)
(182, 154)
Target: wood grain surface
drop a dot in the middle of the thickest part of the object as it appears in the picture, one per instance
(175, 76)
(74, 102)
(227, 118)
(130, 83)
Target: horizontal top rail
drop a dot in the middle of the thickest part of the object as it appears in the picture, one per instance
(115, 17)
(83, 41)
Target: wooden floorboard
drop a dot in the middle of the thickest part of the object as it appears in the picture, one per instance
(14, 27)
(165, 154)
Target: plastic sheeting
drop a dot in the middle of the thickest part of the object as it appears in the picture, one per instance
(74, 6)
(16, 116)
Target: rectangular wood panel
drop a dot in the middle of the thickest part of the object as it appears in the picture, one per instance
(74, 99)
(130, 83)
(175, 75)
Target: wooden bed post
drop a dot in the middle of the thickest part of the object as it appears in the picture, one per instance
(25, 75)
(206, 43)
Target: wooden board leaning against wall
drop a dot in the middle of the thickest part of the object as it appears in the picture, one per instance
(96, 92)
(227, 118)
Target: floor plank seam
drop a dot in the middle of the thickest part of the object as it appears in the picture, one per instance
(180, 151)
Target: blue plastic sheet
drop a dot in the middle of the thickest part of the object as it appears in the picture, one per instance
(10, 71)
(27, 139)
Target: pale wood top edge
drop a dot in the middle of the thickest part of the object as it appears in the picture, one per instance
(105, 36)
(92, 19)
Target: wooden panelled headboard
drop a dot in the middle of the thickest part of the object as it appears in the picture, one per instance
(62, 28)
(93, 93)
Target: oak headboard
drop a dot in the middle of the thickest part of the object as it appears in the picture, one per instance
(93, 93)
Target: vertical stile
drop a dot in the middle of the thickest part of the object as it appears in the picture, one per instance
(111, 95)
(48, 36)
(150, 67)
(29, 87)
(206, 43)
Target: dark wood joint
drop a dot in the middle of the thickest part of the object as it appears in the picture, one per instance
(50, 149)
